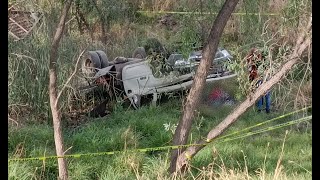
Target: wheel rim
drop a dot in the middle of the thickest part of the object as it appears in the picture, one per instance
(90, 64)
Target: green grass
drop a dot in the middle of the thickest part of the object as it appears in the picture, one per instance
(28, 104)
(144, 128)
(28, 58)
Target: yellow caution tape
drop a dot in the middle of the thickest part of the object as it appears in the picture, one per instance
(206, 13)
(267, 129)
(262, 123)
(163, 147)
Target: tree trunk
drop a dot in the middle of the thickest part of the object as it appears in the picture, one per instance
(77, 14)
(56, 115)
(102, 23)
(203, 35)
(82, 20)
(302, 43)
(192, 102)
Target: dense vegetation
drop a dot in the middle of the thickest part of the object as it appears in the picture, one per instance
(30, 124)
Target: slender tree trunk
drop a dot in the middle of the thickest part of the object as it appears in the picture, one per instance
(102, 23)
(82, 20)
(302, 43)
(201, 24)
(77, 14)
(192, 102)
(56, 115)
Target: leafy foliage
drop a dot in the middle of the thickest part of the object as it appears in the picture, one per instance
(28, 102)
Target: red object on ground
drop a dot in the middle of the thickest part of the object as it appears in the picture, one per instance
(215, 94)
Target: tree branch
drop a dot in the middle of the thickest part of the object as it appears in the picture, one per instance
(69, 79)
(192, 102)
(302, 43)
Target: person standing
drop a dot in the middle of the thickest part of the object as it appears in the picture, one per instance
(255, 63)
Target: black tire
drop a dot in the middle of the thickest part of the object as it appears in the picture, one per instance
(103, 58)
(139, 53)
(90, 63)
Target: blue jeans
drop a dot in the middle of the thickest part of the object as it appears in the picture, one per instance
(267, 99)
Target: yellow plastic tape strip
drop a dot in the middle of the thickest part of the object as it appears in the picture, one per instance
(164, 147)
(262, 123)
(267, 129)
(206, 13)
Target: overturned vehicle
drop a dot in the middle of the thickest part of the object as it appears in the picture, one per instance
(139, 76)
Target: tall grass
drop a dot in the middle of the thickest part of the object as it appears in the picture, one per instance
(28, 58)
(28, 71)
(28, 63)
(131, 129)
(126, 129)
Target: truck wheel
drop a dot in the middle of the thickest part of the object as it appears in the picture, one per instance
(139, 53)
(90, 64)
(103, 58)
